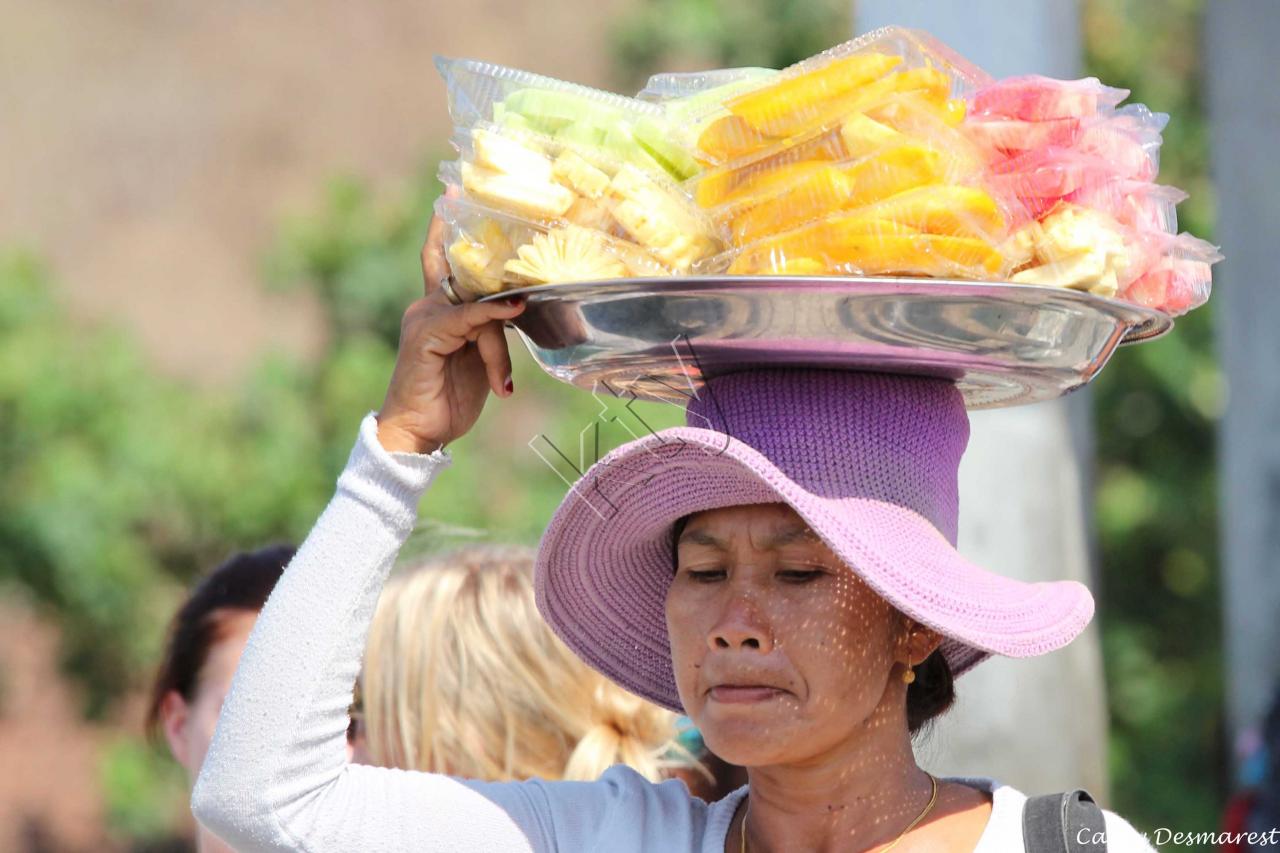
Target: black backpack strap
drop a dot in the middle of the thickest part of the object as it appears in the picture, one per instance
(1069, 822)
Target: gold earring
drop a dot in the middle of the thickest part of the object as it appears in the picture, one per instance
(909, 674)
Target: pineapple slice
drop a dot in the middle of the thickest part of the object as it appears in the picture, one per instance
(576, 173)
(658, 221)
(591, 214)
(534, 199)
(563, 255)
(507, 156)
(474, 268)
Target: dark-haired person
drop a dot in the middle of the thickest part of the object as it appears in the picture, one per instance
(783, 569)
(206, 637)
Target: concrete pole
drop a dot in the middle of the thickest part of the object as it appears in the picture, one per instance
(1244, 114)
(1038, 724)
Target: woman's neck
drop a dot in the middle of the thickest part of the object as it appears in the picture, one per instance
(856, 796)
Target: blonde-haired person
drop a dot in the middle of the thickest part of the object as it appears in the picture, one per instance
(463, 676)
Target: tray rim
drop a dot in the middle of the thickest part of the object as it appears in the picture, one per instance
(1144, 324)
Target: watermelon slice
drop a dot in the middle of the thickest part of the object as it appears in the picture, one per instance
(1036, 98)
(1011, 137)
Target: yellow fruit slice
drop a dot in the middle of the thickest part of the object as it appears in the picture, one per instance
(740, 182)
(776, 110)
(819, 191)
(944, 209)
(828, 188)
(863, 135)
(892, 171)
(849, 245)
(764, 183)
(730, 137)
(932, 86)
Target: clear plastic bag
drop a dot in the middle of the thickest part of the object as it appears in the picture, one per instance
(1035, 98)
(1135, 204)
(677, 86)
(1043, 178)
(628, 129)
(1087, 249)
(862, 243)
(1179, 280)
(548, 180)
(813, 96)
(869, 157)
(490, 251)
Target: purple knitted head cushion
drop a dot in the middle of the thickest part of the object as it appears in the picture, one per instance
(867, 460)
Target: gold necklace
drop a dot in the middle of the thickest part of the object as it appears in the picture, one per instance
(933, 798)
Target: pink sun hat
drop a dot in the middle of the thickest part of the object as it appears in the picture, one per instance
(867, 460)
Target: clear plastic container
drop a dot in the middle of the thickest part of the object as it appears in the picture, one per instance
(812, 96)
(1088, 249)
(490, 251)
(821, 189)
(1036, 98)
(634, 131)
(868, 158)
(1180, 279)
(859, 243)
(676, 86)
(532, 176)
(1135, 204)
(1042, 178)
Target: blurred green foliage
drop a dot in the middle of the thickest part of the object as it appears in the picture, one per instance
(664, 35)
(122, 486)
(145, 790)
(1156, 412)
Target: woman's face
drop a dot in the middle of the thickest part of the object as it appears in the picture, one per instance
(780, 652)
(189, 726)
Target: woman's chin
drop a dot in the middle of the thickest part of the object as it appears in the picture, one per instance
(746, 742)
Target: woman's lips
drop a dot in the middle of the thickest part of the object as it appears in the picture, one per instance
(738, 694)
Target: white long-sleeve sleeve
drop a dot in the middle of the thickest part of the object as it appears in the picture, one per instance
(276, 775)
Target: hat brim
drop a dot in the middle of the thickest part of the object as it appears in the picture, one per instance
(605, 561)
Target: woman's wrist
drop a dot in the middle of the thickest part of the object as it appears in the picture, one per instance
(396, 439)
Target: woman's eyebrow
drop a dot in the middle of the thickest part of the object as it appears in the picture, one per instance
(777, 540)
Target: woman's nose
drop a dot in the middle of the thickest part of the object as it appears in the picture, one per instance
(740, 627)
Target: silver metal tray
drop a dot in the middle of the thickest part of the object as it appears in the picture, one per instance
(1003, 344)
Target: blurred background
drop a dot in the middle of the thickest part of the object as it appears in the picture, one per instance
(211, 222)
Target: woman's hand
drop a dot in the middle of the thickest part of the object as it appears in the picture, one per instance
(450, 357)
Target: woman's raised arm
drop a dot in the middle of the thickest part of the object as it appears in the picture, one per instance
(276, 776)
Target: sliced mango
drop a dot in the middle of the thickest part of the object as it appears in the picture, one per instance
(892, 171)
(944, 209)
(776, 109)
(826, 188)
(730, 137)
(740, 182)
(819, 191)
(932, 255)
(863, 135)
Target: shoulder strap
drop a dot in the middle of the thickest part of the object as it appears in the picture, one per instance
(1070, 822)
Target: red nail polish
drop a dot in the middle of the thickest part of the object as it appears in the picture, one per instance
(508, 386)
(513, 301)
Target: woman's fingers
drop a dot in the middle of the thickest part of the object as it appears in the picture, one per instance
(492, 345)
(435, 264)
(449, 327)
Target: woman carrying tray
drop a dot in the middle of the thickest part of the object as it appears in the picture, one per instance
(782, 570)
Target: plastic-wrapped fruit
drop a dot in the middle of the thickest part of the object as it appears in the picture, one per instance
(735, 136)
(563, 255)
(854, 244)
(783, 107)
(1036, 98)
(839, 187)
